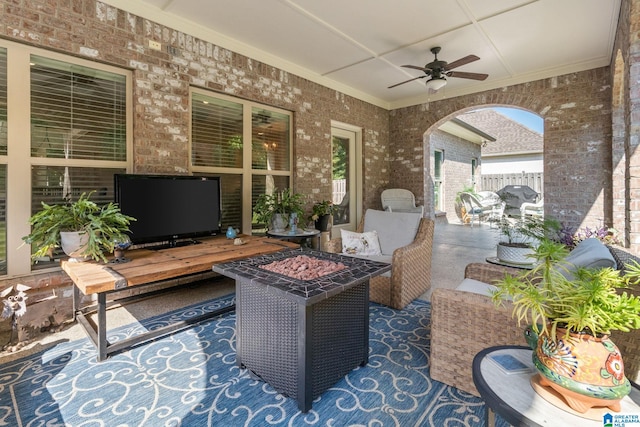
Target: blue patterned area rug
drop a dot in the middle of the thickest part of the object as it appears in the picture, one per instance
(190, 379)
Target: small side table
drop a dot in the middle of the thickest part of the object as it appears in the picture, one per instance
(498, 261)
(512, 396)
(298, 236)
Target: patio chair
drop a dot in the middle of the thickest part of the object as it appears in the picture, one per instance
(474, 209)
(465, 321)
(532, 209)
(492, 199)
(400, 200)
(406, 242)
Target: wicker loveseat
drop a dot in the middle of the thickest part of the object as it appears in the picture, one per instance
(410, 274)
(463, 323)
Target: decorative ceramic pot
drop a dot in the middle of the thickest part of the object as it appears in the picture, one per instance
(514, 254)
(74, 243)
(293, 223)
(279, 222)
(587, 371)
(324, 222)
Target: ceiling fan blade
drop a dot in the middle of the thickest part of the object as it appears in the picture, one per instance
(415, 67)
(462, 61)
(406, 81)
(465, 75)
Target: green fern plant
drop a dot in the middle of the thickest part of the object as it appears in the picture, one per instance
(104, 225)
(593, 301)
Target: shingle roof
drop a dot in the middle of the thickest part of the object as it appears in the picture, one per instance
(511, 137)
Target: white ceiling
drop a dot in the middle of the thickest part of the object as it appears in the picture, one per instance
(358, 46)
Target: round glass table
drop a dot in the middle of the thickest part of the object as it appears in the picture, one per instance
(311, 235)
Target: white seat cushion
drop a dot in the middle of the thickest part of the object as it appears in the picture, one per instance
(395, 229)
(476, 286)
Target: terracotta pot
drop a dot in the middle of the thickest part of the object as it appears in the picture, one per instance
(587, 371)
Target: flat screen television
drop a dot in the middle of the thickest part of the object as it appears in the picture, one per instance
(169, 209)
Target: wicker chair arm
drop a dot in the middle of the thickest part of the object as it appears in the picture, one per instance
(411, 266)
(488, 273)
(462, 324)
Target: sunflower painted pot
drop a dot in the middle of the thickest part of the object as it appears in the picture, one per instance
(587, 371)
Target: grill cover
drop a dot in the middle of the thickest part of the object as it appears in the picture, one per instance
(514, 196)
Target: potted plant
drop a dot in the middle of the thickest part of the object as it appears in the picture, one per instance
(572, 316)
(322, 213)
(519, 238)
(94, 229)
(275, 209)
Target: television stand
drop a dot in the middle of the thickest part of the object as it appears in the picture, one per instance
(146, 268)
(173, 244)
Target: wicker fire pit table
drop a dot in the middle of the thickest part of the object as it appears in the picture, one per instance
(302, 336)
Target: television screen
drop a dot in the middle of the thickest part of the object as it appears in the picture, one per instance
(168, 208)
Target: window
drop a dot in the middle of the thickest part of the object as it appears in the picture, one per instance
(474, 167)
(3, 161)
(438, 179)
(220, 128)
(66, 134)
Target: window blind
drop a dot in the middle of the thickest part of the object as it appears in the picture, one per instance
(3, 101)
(270, 135)
(216, 132)
(3, 219)
(77, 112)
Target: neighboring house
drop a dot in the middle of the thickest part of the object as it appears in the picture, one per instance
(517, 150)
(455, 163)
(478, 145)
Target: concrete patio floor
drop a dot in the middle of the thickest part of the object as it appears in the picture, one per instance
(454, 247)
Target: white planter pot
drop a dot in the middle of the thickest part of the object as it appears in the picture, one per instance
(515, 254)
(74, 244)
(279, 222)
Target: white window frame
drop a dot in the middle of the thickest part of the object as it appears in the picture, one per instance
(246, 171)
(18, 158)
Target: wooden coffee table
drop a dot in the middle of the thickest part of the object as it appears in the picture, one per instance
(150, 267)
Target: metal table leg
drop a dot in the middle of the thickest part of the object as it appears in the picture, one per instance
(102, 326)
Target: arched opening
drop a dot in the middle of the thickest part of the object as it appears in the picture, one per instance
(484, 149)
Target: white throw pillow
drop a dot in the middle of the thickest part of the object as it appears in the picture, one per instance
(360, 243)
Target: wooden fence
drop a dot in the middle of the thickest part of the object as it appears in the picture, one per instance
(339, 190)
(495, 182)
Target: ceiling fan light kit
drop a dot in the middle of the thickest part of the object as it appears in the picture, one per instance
(436, 83)
(438, 71)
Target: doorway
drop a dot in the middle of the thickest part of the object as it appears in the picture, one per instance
(346, 175)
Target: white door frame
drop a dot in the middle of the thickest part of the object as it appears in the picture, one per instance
(354, 135)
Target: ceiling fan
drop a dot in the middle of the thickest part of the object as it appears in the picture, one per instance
(438, 71)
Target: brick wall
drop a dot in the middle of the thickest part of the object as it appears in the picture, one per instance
(626, 125)
(577, 135)
(162, 79)
(161, 82)
(456, 168)
(576, 109)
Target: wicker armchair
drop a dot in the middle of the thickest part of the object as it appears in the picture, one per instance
(463, 323)
(410, 268)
